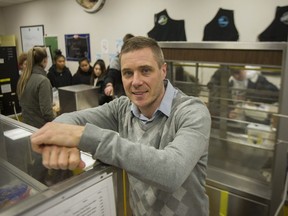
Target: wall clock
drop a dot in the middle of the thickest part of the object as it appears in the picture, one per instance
(91, 6)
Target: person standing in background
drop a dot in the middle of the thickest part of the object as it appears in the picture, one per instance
(251, 85)
(113, 81)
(83, 74)
(99, 73)
(97, 80)
(59, 75)
(251, 90)
(34, 89)
(22, 61)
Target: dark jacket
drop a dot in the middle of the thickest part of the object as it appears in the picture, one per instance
(59, 79)
(261, 91)
(114, 76)
(36, 100)
(100, 84)
(102, 97)
(81, 77)
(217, 85)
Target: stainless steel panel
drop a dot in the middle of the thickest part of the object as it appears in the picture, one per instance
(78, 97)
(241, 160)
(239, 206)
(214, 200)
(238, 184)
(225, 45)
(235, 206)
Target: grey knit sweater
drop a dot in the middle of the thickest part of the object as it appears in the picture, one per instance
(165, 159)
(36, 100)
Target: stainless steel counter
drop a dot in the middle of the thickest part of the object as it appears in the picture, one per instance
(28, 188)
(78, 97)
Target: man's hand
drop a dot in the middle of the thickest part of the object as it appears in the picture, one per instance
(57, 134)
(55, 157)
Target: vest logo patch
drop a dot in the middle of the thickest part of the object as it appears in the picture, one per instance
(163, 20)
(284, 18)
(223, 21)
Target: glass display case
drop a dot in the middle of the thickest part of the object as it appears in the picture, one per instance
(243, 86)
(28, 188)
(15, 186)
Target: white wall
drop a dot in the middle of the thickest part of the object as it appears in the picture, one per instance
(119, 17)
(2, 26)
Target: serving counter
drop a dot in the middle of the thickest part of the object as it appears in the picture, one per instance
(247, 163)
(28, 188)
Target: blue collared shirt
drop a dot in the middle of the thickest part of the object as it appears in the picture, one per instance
(165, 105)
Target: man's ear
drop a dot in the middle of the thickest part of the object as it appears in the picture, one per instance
(164, 70)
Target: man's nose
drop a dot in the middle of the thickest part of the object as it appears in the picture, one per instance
(137, 79)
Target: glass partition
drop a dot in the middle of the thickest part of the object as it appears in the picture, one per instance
(244, 87)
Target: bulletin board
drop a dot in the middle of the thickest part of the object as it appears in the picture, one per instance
(31, 36)
(77, 46)
(52, 42)
(49, 58)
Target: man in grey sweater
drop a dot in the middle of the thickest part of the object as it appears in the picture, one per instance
(157, 134)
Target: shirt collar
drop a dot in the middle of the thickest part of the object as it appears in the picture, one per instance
(165, 105)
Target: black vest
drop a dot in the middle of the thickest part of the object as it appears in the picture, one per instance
(167, 29)
(278, 29)
(221, 27)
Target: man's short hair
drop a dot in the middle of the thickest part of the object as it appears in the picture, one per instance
(127, 37)
(140, 42)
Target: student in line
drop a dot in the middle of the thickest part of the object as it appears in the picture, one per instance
(83, 74)
(22, 62)
(59, 75)
(97, 80)
(34, 89)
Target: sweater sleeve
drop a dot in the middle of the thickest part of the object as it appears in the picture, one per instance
(101, 116)
(45, 100)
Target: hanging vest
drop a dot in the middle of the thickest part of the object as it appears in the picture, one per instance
(278, 29)
(167, 29)
(221, 27)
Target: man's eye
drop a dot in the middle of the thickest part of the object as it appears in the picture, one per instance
(145, 70)
(127, 73)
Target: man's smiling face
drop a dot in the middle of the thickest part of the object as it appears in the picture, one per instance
(143, 79)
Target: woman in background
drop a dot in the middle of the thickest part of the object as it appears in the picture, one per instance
(59, 75)
(34, 89)
(97, 80)
(83, 74)
(22, 61)
(99, 73)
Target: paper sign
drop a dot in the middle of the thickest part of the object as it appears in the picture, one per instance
(16, 134)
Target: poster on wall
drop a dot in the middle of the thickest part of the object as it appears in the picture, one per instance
(52, 42)
(49, 57)
(31, 36)
(77, 46)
